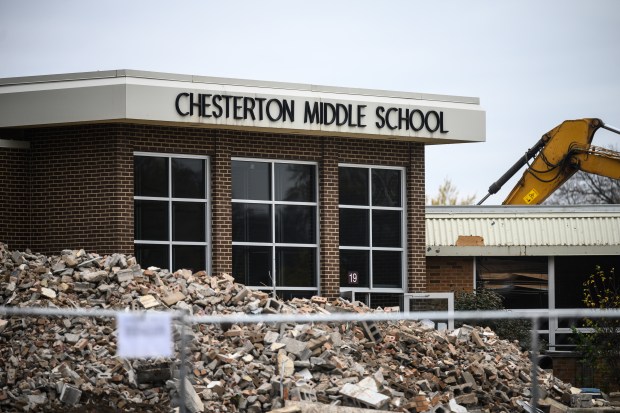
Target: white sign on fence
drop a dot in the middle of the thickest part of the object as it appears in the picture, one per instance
(144, 335)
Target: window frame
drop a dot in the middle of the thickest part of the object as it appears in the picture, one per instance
(370, 208)
(273, 219)
(554, 331)
(170, 200)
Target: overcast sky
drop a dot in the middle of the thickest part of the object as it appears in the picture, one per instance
(532, 63)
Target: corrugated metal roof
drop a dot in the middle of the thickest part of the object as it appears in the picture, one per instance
(523, 230)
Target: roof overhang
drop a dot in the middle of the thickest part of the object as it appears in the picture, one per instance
(168, 99)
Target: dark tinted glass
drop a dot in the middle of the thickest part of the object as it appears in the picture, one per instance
(386, 228)
(188, 221)
(354, 267)
(150, 176)
(387, 269)
(287, 295)
(151, 220)
(251, 222)
(188, 178)
(388, 300)
(252, 265)
(386, 187)
(295, 224)
(188, 257)
(296, 267)
(522, 281)
(251, 180)
(294, 182)
(354, 227)
(353, 183)
(572, 272)
(152, 255)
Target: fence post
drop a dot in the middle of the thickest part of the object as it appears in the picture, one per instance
(534, 344)
(182, 367)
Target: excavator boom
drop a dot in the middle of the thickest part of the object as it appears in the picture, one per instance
(558, 154)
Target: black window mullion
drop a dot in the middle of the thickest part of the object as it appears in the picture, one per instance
(371, 274)
(383, 204)
(170, 226)
(290, 184)
(191, 179)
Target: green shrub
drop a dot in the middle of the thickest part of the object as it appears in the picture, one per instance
(484, 299)
(601, 347)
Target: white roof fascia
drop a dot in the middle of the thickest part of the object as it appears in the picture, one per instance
(160, 98)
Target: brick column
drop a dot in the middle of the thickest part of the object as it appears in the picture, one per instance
(15, 229)
(123, 219)
(416, 220)
(328, 210)
(221, 208)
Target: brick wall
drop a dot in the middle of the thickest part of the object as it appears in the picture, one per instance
(445, 274)
(82, 186)
(74, 193)
(15, 204)
(328, 204)
(416, 219)
(570, 368)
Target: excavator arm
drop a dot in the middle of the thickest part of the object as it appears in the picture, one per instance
(558, 154)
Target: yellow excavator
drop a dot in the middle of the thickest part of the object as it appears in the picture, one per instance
(558, 154)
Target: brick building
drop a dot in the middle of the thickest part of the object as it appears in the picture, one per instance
(300, 189)
(536, 257)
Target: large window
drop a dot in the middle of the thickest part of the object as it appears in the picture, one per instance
(372, 228)
(171, 225)
(522, 281)
(275, 226)
(533, 282)
(570, 274)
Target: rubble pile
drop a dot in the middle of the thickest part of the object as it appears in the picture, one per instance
(69, 364)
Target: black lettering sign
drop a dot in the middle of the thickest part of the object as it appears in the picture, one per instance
(434, 122)
(387, 118)
(441, 129)
(176, 104)
(332, 109)
(289, 110)
(379, 112)
(216, 102)
(204, 105)
(237, 107)
(270, 105)
(311, 114)
(420, 117)
(248, 107)
(360, 115)
(260, 107)
(320, 113)
(193, 104)
(342, 115)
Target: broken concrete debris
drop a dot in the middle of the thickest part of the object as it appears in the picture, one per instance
(61, 363)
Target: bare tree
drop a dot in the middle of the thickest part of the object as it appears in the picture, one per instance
(584, 188)
(447, 194)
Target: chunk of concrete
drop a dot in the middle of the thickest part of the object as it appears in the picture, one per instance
(70, 394)
(286, 366)
(192, 400)
(365, 394)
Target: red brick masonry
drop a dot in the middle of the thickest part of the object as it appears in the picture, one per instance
(74, 188)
